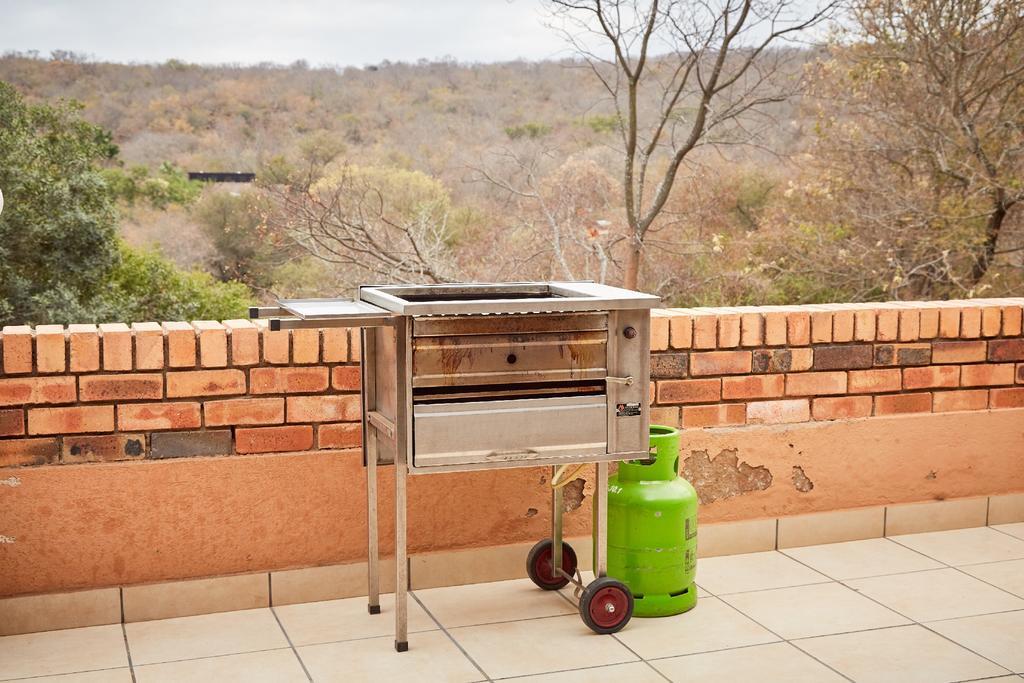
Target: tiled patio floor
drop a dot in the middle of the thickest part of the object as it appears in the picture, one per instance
(942, 606)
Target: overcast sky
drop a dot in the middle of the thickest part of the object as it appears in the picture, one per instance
(336, 32)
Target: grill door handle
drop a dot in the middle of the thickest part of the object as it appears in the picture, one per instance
(628, 381)
(512, 454)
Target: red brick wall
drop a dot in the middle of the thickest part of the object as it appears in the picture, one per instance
(769, 365)
(113, 392)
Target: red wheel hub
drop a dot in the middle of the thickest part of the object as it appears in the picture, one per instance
(545, 566)
(608, 606)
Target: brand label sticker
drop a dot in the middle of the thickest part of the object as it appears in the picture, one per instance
(627, 409)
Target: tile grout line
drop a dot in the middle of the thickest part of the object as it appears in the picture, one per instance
(456, 643)
(785, 640)
(289, 639)
(124, 634)
(613, 635)
(961, 571)
(196, 659)
(908, 617)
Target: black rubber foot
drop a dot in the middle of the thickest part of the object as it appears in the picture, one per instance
(373, 609)
(401, 647)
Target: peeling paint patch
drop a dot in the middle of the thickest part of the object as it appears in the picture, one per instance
(572, 495)
(800, 480)
(723, 476)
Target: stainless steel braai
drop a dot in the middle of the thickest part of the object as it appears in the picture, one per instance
(478, 376)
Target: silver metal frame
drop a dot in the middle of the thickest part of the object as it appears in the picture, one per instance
(384, 435)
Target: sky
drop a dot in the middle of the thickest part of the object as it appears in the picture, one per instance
(322, 32)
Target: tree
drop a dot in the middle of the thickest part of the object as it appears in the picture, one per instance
(681, 75)
(567, 208)
(922, 139)
(246, 251)
(146, 286)
(58, 227)
(62, 259)
(378, 222)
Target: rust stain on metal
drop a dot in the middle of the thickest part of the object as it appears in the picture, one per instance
(724, 476)
(800, 480)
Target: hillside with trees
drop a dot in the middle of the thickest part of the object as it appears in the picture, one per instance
(887, 164)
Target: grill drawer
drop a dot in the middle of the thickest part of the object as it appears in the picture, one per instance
(502, 431)
(508, 358)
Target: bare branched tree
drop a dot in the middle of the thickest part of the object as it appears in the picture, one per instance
(938, 99)
(681, 74)
(567, 207)
(387, 225)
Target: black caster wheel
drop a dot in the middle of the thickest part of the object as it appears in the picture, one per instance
(606, 605)
(539, 565)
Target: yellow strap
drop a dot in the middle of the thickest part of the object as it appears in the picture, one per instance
(557, 482)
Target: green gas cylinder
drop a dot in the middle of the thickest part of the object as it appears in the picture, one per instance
(652, 529)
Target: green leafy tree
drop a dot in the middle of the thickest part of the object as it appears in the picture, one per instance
(147, 286)
(246, 250)
(169, 186)
(58, 227)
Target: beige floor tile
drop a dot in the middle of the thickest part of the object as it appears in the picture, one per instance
(1006, 508)
(906, 654)
(937, 515)
(859, 559)
(206, 635)
(936, 594)
(488, 603)
(776, 663)
(831, 527)
(1016, 530)
(431, 657)
(634, 672)
(753, 572)
(711, 625)
(1006, 575)
(996, 636)
(104, 676)
(58, 611)
(269, 666)
(522, 648)
(818, 610)
(60, 652)
(965, 546)
(334, 620)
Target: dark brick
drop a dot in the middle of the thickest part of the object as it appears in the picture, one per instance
(772, 360)
(17, 452)
(106, 448)
(188, 444)
(1006, 349)
(668, 365)
(851, 357)
(903, 354)
(781, 360)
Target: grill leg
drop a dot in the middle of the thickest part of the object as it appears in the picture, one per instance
(601, 522)
(373, 546)
(556, 524)
(401, 562)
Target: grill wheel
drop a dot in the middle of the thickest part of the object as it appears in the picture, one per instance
(539, 564)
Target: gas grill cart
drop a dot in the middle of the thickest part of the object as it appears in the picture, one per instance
(461, 377)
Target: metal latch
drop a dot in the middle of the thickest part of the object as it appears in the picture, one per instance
(628, 381)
